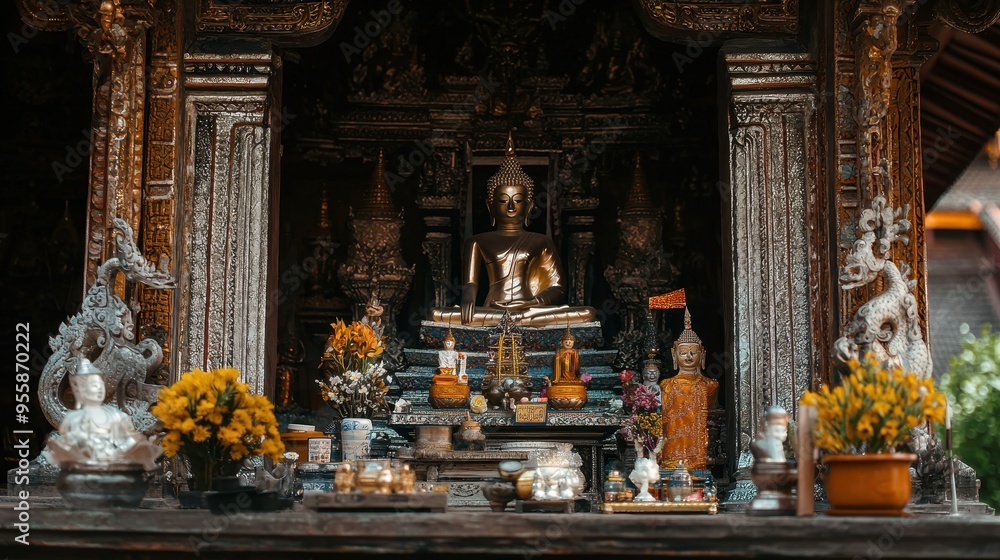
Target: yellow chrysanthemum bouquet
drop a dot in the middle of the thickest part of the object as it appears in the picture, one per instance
(874, 409)
(215, 422)
(356, 381)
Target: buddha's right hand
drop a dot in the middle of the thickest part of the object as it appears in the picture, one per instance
(469, 292)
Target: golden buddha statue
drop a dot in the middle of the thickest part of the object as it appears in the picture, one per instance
(568, 391)
(567, 363)
(686, 399)
(524, 270)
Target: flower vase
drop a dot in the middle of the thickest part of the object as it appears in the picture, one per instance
(204, 471)
(354, 438)
(876, 484)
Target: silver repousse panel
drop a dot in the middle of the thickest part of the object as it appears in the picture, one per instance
(225, 250)
(771, 125)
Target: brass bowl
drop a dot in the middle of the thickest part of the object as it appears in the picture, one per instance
(448, 396)
(510, 470)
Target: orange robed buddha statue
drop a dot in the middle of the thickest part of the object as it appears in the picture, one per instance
(567, 392)
(686, 399)
(567, 364)
(523, 268)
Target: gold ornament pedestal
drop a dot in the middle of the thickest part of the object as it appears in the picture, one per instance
(567, 396)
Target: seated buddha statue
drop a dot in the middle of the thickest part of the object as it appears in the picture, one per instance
(567, 363)
(567, 391)
(523, 269)
(687, 398)
(97, 433)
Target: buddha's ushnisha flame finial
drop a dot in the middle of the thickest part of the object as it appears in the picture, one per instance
(688, 336)
(510, 173)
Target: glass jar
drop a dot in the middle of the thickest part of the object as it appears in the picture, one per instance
(679, 485)
(614, 487)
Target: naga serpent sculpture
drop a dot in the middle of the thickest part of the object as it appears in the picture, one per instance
(102, 331)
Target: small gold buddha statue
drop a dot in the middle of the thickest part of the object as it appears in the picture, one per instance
(567, 391)
(567, 362)
(523, 268)
(686, 399)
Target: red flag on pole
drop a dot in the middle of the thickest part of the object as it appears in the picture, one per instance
(670, 300)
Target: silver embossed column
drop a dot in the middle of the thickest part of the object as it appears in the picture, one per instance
(229, 213)
(770, 206)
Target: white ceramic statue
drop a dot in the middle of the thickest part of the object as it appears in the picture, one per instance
(97, 433)
(645, 472)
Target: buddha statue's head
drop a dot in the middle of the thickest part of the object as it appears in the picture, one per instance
(510, 192)
(88, 384)
(776, 423)
(651, 372)
(449, 341)
(688, 352)
(568, 340)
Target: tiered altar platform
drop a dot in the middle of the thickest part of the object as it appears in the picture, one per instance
(589, 430)
(305, 535)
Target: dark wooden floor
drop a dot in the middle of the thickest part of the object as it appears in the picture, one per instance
(302, 535)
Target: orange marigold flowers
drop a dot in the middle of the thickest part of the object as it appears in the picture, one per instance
(212, 416)
(875, 408)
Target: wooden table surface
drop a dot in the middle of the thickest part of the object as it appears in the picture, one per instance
(62, 534)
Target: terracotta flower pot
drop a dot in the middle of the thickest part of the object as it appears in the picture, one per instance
(876, 484)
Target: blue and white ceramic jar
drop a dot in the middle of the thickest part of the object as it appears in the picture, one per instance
(354, 438)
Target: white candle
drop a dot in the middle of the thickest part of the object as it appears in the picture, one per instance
(947, 415)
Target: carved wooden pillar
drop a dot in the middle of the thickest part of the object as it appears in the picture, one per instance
(777, 225)
(114, 32)
(159, 204)
(229, 200)
(877, 51)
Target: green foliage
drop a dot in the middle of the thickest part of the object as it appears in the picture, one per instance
(972, 384)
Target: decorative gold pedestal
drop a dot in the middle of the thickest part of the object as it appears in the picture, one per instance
(709, 508)
(567, 396)
(446, 392)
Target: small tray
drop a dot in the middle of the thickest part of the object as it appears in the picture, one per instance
(707, 508)
(416, 502)
(552, 506)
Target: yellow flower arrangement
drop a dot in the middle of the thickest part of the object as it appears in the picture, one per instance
(213, 420)
(356, 382)
(874, 410)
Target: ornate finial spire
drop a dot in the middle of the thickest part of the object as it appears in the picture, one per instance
(638, 194)
(569, 334)
(510, 173)
(377, 200)
(688, 336)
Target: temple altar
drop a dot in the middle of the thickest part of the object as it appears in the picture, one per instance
(507, 177)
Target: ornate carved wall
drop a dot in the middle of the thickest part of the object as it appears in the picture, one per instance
(160, 189)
